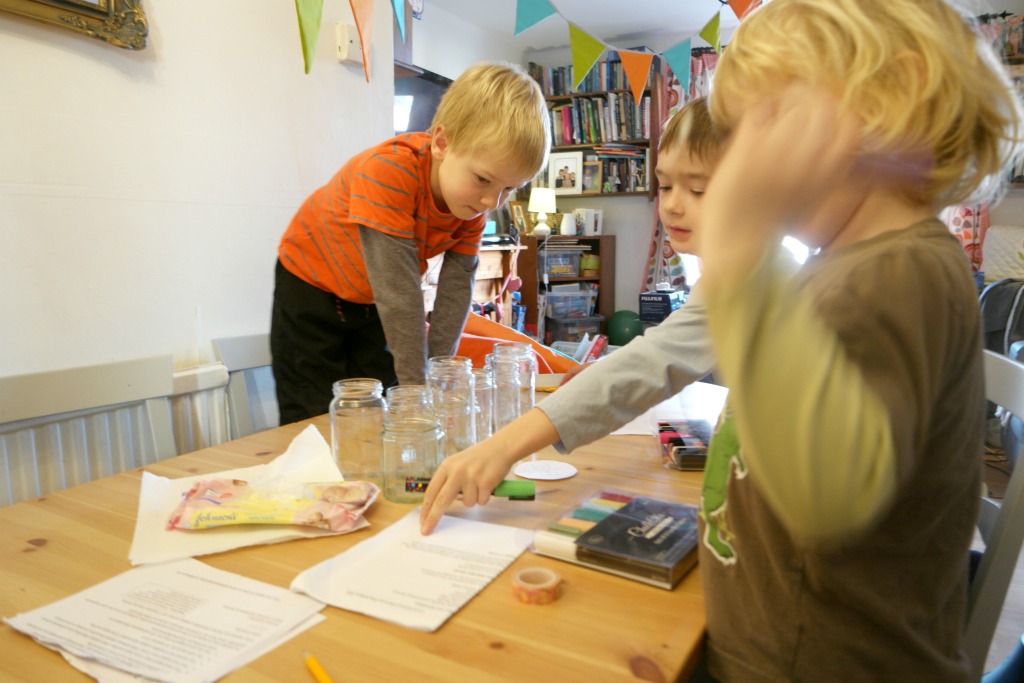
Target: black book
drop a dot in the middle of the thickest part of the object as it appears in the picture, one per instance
(638, 537)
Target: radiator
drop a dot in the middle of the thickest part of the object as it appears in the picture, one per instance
(48, 454)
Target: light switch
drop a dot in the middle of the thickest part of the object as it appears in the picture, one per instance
(349, 48)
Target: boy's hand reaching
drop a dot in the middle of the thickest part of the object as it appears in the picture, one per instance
(474, 473)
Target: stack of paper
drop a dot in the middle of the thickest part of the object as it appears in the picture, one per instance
(182, 622)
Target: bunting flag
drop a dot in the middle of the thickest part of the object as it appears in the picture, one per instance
(712, 32)
(636, 66)
(309, 12)
(532, 12)
(362, 10)
(586, 50)
(399, 6)
(678, 58)
(741, 7)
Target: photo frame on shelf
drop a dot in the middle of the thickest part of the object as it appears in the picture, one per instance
(519, 220)
(592, 177)
(565, 172)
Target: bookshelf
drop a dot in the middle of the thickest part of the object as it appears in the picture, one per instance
(528, 270)
(602, 122)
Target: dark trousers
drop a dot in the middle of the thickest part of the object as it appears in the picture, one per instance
(317, 339)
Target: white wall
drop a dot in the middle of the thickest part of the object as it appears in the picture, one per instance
(142, 194)
(447, 45)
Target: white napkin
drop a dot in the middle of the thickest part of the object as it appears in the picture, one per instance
(308, 459)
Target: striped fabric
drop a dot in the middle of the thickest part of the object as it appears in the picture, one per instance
(386, 188)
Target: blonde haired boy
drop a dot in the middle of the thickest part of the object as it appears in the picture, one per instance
(842, 486)
(646, 371)
(347, 300)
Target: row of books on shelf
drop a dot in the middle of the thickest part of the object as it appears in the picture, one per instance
(556, 81)
(612, 117)
(637, 537)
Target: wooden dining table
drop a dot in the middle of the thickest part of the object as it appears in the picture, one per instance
(602, 628)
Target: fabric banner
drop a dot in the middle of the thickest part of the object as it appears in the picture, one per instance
(637, 66)
(585, 52)
(399, 6)
(362, 10)
(310, 12)
(712, 32)
(531, 12)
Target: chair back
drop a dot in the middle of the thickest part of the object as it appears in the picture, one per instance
(1001, 524)
(252, 402)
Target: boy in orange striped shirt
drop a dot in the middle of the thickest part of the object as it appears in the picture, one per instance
(347, 299)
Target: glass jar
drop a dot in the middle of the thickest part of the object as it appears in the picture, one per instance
(411, 452)
(515, 378)
(408, 399)
(483, 402)
(357, 420)
(450, 384)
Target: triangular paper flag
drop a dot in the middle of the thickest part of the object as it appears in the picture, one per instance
(309, 12)
(530, 12)
(741, 7)
(362, 10)
(399, 6)
(585, 52)
(637, 66)
(712, 32)
(678, 58)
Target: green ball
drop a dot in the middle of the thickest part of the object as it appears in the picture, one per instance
(623, 326)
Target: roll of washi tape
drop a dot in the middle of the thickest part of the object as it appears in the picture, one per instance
(536, 586)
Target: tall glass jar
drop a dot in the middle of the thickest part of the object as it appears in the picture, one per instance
(483, 402)
(412, 450)
(357, 420)
(515, 374)
(450, 383)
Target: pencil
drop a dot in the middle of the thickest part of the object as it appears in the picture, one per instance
(318, 671)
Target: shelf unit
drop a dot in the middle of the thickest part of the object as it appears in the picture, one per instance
(603, 246)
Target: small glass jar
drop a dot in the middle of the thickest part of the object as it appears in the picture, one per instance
(411, 451)
(408, 399)
(357, 420)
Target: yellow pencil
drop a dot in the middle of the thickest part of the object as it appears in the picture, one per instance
(318, 671)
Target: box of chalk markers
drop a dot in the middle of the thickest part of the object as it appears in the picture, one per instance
(684, 443)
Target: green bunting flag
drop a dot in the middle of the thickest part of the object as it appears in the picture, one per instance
(585, 52)
(712, 32)
(309, 12)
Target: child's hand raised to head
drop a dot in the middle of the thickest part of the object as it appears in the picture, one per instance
(783, 161)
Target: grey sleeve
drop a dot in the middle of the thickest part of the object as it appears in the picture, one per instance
(643, 373)
(393, 268)
(451, 307)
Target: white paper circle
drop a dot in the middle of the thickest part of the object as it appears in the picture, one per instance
(548, 470)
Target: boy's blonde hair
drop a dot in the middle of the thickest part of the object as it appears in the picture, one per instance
(928, 89)
(691, 126)
(501, 109)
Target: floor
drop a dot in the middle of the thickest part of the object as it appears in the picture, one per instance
(1011, 621)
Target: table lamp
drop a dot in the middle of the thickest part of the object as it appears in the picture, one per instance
(542, 202)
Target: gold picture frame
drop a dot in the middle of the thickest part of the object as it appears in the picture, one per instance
(122, 23)
(519, 219)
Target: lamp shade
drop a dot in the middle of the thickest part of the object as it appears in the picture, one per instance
(542, 200)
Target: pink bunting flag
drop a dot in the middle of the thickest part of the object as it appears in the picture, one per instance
(362, 10)
(637, 66)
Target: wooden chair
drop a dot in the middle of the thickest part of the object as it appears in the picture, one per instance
(247, 359)
(1001, 524)
(67, 427)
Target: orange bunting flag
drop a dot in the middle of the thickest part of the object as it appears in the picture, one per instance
(362, 10)
(712, 32)
(586, 50)
(741, 7)
(637, 66)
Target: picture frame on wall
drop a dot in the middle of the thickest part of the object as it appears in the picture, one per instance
(565, 172)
